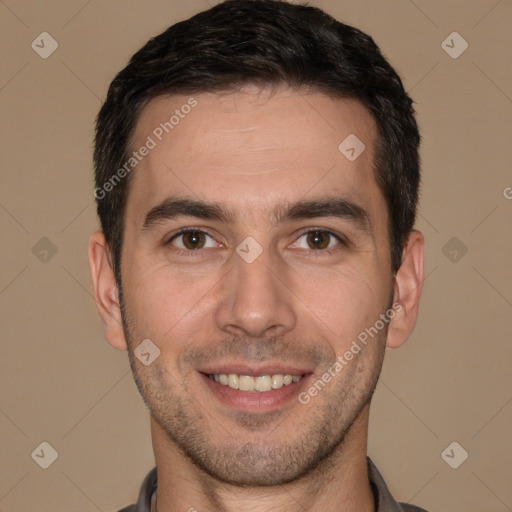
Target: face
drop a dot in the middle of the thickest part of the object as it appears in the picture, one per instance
(255, 253)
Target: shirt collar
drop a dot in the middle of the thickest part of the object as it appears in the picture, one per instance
(384, 501)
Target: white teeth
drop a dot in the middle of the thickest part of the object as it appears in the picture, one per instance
(233, 381)
(261, 383)
(277, 381)
(246, 383)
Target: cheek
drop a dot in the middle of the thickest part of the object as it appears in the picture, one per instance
(343, 302)
(163, 303)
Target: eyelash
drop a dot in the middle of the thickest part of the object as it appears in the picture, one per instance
(190, 252)
(312, 252)
(316, 253)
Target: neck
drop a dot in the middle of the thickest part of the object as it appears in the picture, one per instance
(338, 484)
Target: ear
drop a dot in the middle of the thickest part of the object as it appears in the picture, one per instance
(407, 291)
(105, 290)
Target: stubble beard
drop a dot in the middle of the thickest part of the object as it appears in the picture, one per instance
(317, 441)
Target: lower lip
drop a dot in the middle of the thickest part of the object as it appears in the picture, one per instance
(256, 401)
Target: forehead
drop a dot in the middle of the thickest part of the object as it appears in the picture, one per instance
(253, 149)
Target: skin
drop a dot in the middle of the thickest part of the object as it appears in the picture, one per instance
(296, 303)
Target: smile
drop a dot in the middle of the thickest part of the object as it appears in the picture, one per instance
(259, 383)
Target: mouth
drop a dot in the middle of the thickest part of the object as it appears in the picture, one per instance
(257, 384)
(255, 390)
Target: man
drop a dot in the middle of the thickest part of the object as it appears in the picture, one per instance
(256, 181)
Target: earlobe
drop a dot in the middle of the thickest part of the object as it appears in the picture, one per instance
(407, 291)
(105, 290)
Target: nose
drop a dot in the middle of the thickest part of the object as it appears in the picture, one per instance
(256, 300)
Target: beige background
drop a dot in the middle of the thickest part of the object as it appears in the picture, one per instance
(62, 384)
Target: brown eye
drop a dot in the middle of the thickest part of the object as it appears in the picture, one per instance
(318, 239)
(193, 240)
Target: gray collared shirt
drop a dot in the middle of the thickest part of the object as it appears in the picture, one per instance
(383, 499)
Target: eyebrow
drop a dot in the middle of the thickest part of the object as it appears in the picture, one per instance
(338, 207)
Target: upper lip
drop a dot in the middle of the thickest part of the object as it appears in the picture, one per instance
(255, 369)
